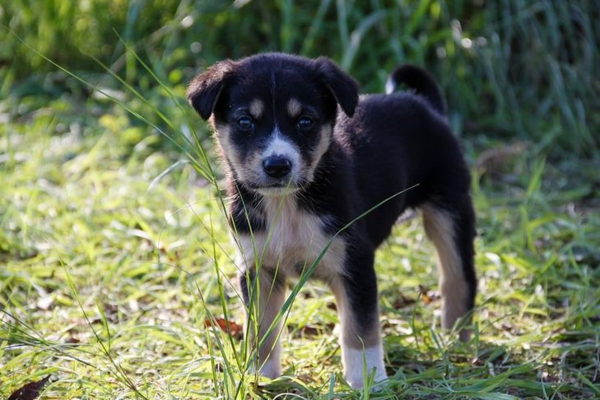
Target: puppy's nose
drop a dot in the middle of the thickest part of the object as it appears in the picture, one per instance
(277, 167)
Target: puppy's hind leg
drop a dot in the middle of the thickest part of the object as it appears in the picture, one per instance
(451, 228)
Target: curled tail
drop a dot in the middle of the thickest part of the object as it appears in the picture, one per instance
(419, 81)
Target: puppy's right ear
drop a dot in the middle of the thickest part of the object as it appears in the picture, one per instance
(204, 90)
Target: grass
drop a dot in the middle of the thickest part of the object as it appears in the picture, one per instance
(115, 261)
(108, 286)
(514, 69)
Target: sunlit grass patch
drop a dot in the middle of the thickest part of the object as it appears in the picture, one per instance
(109, 287)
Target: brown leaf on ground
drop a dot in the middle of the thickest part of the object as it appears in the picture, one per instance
(72, 340)
(428, 296)
(235, 330)
(29, 391)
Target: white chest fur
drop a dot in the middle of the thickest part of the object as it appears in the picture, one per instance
(293, 240)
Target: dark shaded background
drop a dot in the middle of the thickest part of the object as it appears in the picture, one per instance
(510, 69)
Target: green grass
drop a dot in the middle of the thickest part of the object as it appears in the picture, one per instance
(107, 285)
(115, 256)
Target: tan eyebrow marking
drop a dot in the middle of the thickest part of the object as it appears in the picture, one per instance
(294, 108)
(256, 108)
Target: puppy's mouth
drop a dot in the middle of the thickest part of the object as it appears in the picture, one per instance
(276, 191)
(274, 188)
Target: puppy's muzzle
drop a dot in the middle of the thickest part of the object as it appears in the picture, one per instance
(277, 167)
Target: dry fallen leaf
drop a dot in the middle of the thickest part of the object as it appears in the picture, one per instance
(230, 327)
(428, 296)
(30, 391)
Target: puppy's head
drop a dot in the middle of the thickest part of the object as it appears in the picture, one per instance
(273, 116)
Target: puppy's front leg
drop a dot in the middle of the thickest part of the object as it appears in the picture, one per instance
(264, 295)
(355, 291)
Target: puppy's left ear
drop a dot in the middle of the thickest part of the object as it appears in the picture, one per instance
(342, 86)
(204, 90)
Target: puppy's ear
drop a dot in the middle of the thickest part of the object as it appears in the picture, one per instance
(341, 85)
(204, 90)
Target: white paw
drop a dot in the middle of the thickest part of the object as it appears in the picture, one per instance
(356, 360)
(271, 369)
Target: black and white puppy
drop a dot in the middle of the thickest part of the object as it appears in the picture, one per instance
(305, 156)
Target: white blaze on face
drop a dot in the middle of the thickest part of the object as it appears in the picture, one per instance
(279, 146)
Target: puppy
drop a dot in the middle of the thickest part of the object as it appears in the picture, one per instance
(311, 166)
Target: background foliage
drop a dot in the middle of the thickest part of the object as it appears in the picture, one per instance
(115, 262)
(513, 69)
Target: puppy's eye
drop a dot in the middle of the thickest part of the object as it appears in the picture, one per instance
(245, 123)
(305, 123)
